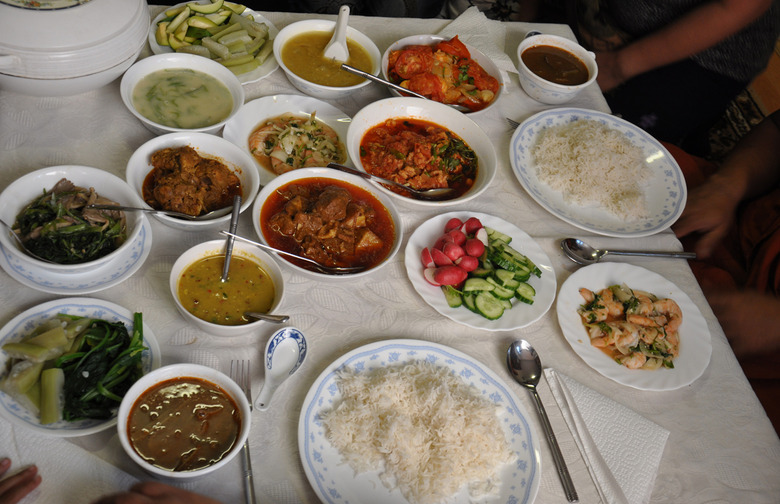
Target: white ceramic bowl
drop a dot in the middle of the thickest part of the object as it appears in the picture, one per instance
(217, 247)
(328, 173)
(429, 40)
(171, 61)
(545, 91)
(25, 189)
(323, 25)
(256, 112)
(176, 371)
(427, 110)
(240, 162)
(66, 47)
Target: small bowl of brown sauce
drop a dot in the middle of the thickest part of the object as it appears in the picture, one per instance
(183, 421)
(254, 284)
(554, 69)
(299, 48)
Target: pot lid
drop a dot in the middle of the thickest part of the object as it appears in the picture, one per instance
(67, 38)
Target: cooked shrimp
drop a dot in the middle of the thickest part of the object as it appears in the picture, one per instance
(671, 310)
(633, 361)
(613, 306)
(626, 338)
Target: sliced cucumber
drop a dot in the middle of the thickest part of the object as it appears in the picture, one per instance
(452, 296)
(497, 235)
(477, 284)
(499, 291)
(208, 8)
(488, 306)
(468, 301)
(525, 293)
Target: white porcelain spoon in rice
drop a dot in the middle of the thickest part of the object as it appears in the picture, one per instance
(337, 47)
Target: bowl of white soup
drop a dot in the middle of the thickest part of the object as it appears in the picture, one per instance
(181, 92)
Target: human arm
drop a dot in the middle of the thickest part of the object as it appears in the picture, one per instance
(751, 169)
(16, 487)
(152, 492)
(699, 29)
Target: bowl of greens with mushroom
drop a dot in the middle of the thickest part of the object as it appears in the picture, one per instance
(48, 209)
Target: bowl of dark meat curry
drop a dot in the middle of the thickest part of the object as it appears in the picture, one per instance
(422, 144)
(328, 216)
(192, 173)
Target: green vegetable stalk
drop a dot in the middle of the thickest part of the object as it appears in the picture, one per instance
(100, 371)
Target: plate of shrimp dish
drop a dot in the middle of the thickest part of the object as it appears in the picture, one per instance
(287, 132)
(634, 326)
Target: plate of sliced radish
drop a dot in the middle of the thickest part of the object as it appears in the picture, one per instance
(480, 271)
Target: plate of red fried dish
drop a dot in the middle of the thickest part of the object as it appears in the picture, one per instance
(444, 70)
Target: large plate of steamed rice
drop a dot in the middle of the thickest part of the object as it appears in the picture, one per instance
(598, 172)
(411, 421)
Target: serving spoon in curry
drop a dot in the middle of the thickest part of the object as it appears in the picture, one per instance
(331, 270)
(436, 194)
(170, 213)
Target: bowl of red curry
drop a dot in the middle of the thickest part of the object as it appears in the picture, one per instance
(422, 144)
(328, 216)
(444, 69)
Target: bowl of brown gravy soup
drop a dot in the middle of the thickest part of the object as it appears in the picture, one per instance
(182, 421)
(554, 69)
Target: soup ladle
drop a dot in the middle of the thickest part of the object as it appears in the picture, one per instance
(398, 88)
(170, 213)
(525, 366)
(435, 194)
(331, 270)
(582, 253)
(22, 244)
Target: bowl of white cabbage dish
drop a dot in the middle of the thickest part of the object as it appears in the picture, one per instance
(176, 92)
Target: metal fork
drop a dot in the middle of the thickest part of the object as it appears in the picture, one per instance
(240, 372)
(512, 123)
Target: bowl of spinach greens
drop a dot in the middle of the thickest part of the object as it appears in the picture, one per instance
(47, 207)
(81, 355)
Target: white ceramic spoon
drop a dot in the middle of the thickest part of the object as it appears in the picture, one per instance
(284, 354)
(337, 47)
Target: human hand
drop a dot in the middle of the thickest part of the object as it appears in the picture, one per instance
(16, 487)
(610, 73)
(709, 211)
(749, 319)
(151, 492)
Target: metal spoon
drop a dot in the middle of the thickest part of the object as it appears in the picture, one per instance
(278, 319)
(526, 368)
(284, 354)
(398, 88)
(22, 244)
(337, 47)
(421, 194)
(331, 270)
(582, 253)
(170, 213)
(230, 239)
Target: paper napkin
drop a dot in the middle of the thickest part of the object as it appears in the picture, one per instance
(69, 473)
(621, 448)
(474, 28)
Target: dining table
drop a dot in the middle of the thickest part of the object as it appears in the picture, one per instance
(718, 444)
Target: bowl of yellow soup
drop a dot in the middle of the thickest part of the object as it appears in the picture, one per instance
(299, 50)
(181, 92)
(254, 283)
(165, 416)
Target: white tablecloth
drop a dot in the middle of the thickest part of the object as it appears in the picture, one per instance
(722, 448)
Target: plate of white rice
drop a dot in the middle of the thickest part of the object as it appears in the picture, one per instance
(411, 421)
(598, 172)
